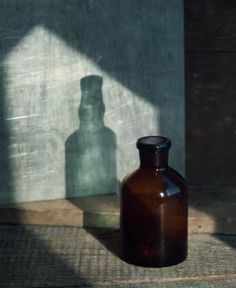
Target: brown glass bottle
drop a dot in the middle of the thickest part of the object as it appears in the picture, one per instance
(154, 209)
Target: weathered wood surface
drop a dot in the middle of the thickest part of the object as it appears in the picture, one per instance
(210, 29)
(211, 211)
(211, 122)
(210, 25)
(33, 256)
(46, 48)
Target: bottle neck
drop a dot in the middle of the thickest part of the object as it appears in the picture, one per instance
(157, 160)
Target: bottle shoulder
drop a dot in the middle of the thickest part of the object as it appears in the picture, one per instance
(131, 176)
(166, 183)
(177, 178)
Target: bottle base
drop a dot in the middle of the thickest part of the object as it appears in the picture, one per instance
(154, 263)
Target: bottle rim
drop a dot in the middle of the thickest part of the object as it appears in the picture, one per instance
(153, 143)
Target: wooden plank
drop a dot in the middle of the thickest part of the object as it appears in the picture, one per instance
(208, 212)
(210, 114)
(39, 256)
(210, 25)
(213, 209)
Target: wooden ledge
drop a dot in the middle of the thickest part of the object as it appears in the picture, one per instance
(103, 212)
(57, 256)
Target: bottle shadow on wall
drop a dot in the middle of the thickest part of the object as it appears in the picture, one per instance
(91, 150)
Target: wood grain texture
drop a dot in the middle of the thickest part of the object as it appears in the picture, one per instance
(32, 256)
(210, 25)
(46, 48)
(211, 211)
(210, 98)
(211, 123)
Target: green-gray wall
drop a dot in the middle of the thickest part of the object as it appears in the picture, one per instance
(48, 147)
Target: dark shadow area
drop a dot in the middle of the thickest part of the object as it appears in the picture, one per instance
(210, 109)
(27, 258)
(109, 238)
(6, 181)
(91, 150)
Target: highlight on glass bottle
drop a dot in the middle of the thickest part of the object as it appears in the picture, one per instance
(154, 209)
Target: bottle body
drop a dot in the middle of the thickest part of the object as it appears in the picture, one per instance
(153, 221)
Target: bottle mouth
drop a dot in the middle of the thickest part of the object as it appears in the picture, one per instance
(153, 143)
